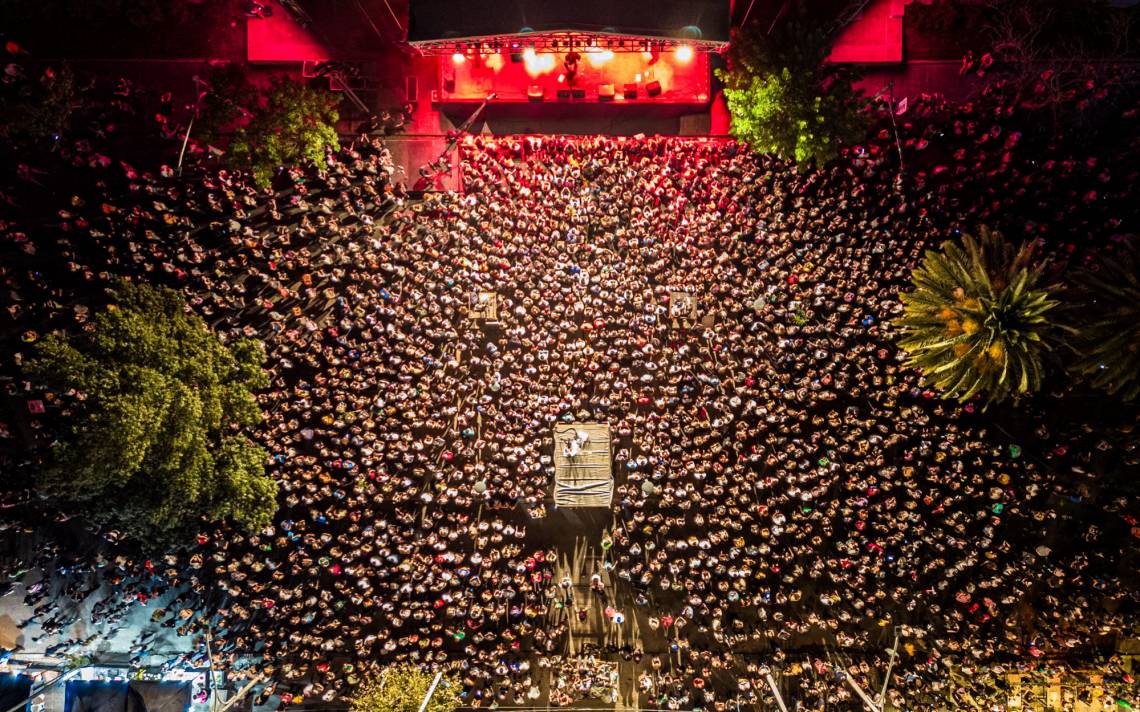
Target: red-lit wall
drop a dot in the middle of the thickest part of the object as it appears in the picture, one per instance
(876, 35)
(470, 79)
(281, 39)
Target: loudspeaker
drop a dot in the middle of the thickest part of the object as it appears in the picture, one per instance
(516, 57)
(630, 91)
(653, 88)
(605, 92)
(563, 93)
(578, 93)
(411, 90)
(535, 92)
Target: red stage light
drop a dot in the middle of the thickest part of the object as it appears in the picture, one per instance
(537, 64)
(458, 58)
(684, 53)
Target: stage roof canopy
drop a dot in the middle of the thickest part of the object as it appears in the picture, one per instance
(700, 21)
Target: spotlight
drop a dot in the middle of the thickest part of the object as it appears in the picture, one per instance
(597, 59)
(536, 63)
(458, 58)
(684, 53)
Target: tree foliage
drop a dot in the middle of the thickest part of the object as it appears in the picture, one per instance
(107, 14)
(978, 319)
(227, 96)
(1107, 323)
(402, 689)
(785, 98)
(1037, 31)
(40, 109)
(295, 123)
(155, 406)
(1057, 58)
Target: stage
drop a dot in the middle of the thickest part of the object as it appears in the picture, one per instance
(583, 465)
(598, 76)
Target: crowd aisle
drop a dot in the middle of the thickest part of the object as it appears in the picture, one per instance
(787, 493)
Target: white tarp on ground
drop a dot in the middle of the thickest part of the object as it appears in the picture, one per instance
(583, 470)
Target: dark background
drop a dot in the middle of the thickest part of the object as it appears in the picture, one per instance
(441, 19)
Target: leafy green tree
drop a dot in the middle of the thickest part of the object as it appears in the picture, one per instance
(296, 123)
(978, 320)
(155, 407)
(785, 98)
(402, 689)
(1107, 316)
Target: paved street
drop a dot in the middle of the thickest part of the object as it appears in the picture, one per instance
(23, 631)
(78, 604)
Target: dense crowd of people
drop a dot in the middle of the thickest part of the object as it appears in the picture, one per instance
(787, 493)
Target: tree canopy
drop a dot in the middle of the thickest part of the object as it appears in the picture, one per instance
(226, 97)
(104, 14)
(402, 689)
(1107, 322)
(40, 109)
(785, 98)
(293, 124)
(978, 320)
(155, 405)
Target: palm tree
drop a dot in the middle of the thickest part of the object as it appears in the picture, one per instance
(1108, 321)
(403, 688)
(977, 322)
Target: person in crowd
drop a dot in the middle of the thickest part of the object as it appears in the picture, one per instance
(782, 479)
